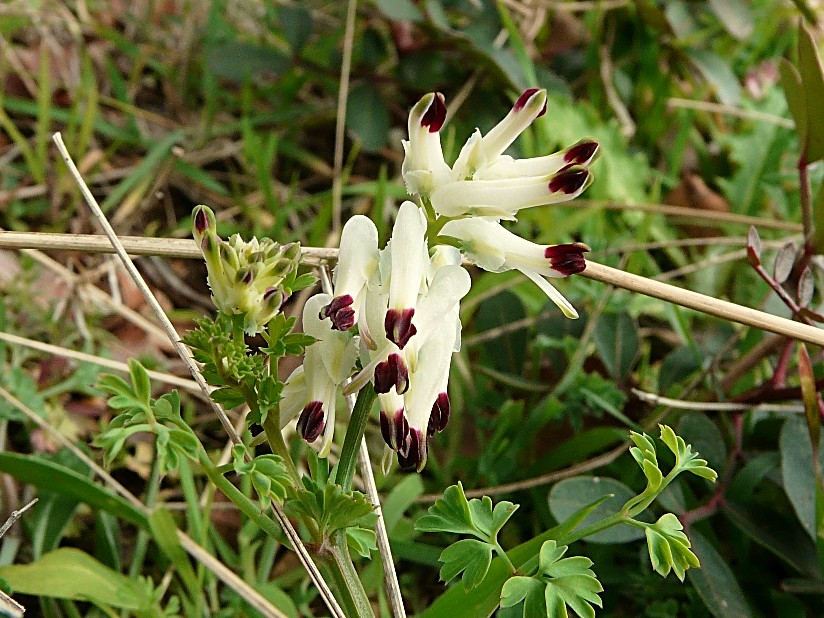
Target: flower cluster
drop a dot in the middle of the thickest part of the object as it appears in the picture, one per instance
(404, 301)
(395, 310)
(245, 277)
(485, 186)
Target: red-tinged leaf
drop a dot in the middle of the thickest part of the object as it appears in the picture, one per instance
(753, 247)
(784, 261)
(806, 287)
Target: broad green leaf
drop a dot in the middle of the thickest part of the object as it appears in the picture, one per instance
(69, 573)
(812, 80)
(296, 24)
(797, 470)
(237, 60)
(62, 480)
(735, 15)
(361, 540)
(399, 10)
(719, 74)
(367, 116)
(468, 556)
(570, 495)
(715, 581)
(490, 520)
(796, 101)
(526, 589)
(616, 339)
(776, 530)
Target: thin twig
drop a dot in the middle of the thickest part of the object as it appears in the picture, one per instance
(716, 406)
(720, 108)
(185, 355)
(605, 274)
(15, 515)
(166, 378)
(340, 127)
(705, 304)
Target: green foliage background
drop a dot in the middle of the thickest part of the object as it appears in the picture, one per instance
(234, 104)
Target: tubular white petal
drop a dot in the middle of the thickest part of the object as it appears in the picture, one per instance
(449, 286)
(409, 257)
(507, 167)
(423, 165)
(519, 118)
(358, 256)
(294, 396)
(434, 359)
(490, 197)
(554, 295)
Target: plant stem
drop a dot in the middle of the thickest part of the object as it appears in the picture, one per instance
(354, 434)
(605, 523)
(502, 554)
(274, 437)
(354, 597)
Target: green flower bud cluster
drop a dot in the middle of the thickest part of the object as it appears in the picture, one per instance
(245, 277)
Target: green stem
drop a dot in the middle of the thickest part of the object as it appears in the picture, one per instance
(605, 523)
(506, 559)
(247, 507)
(274, 436)
(354, 435)
(354, 598)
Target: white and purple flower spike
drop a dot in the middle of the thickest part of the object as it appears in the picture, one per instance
(357, 260)
(327, 364)
(424, 166)
(494, 248)
(409, 261)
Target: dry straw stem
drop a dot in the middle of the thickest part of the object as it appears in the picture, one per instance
(663, 291)
(186, 356)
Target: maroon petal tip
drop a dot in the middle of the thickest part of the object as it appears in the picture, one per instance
(435, 115)
(201, 221)
(399, 327)
(340, 311)
(569, 181)
(582, 153)
(311, 421)
(567, 259)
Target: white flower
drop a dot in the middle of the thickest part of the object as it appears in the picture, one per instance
(494, 248)
(424, 166)
(327, 364)
(357, 260)
(484, 181)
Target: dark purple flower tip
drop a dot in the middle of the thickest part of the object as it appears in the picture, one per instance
(394, 430)
(569, 181)
(311, 421)
(392, 372)
(582, 153)
(340, 311)
(201, 220)
(567, 259)
(525, 97)
(439, 417)
(415, 453)
(399, 327)
(435, 114)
